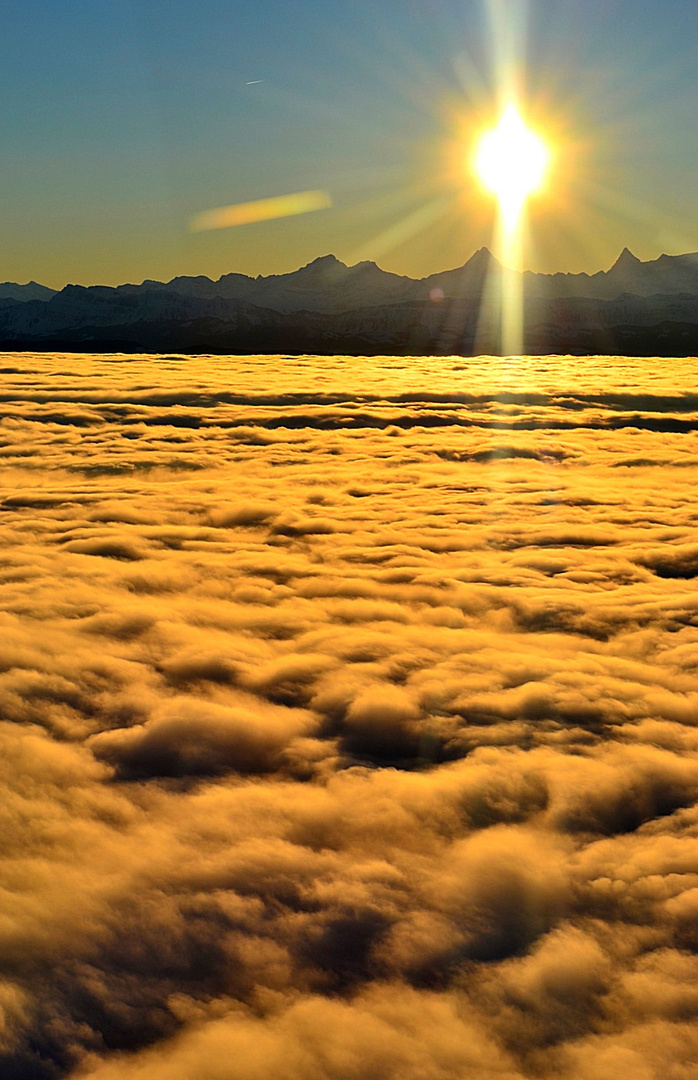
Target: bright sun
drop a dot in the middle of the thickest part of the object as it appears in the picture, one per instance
(512, 162)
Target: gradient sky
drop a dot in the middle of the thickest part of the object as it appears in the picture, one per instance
(121, 119)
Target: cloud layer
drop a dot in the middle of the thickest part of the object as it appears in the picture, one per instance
(348, 718)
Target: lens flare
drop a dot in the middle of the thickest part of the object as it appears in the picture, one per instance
(249, 213)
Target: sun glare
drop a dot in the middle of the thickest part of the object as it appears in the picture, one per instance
(512, 162)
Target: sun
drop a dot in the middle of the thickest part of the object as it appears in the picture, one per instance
(512, 162)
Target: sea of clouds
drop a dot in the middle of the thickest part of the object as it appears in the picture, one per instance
(348, 718)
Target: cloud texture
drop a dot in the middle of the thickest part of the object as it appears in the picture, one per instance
(348, 719)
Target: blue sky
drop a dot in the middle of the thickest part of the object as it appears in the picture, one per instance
(121, 119)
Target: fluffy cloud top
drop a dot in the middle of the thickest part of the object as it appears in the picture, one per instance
(348, 719)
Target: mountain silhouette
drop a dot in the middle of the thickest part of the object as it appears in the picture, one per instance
(327, 306)
(9, 290)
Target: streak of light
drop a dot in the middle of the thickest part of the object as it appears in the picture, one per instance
(249, 213)
(506, 153)
(401, 231)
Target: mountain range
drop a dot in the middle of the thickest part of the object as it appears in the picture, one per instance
(645, 308)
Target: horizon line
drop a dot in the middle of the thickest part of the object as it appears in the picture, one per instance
(352, 266)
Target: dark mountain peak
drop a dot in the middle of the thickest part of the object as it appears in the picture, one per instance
(483, 257)
(320, 273)
(481, 263)
(319, 270)
(370, 273)
(190, 278)
(322, 264)
(10, 290)
(626, 261)
(688, 260)
(233, 276)
(472, 275)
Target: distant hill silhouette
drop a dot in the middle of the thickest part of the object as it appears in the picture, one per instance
(10, 291)
(645, 308)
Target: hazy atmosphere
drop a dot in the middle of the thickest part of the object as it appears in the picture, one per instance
(349, 718)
